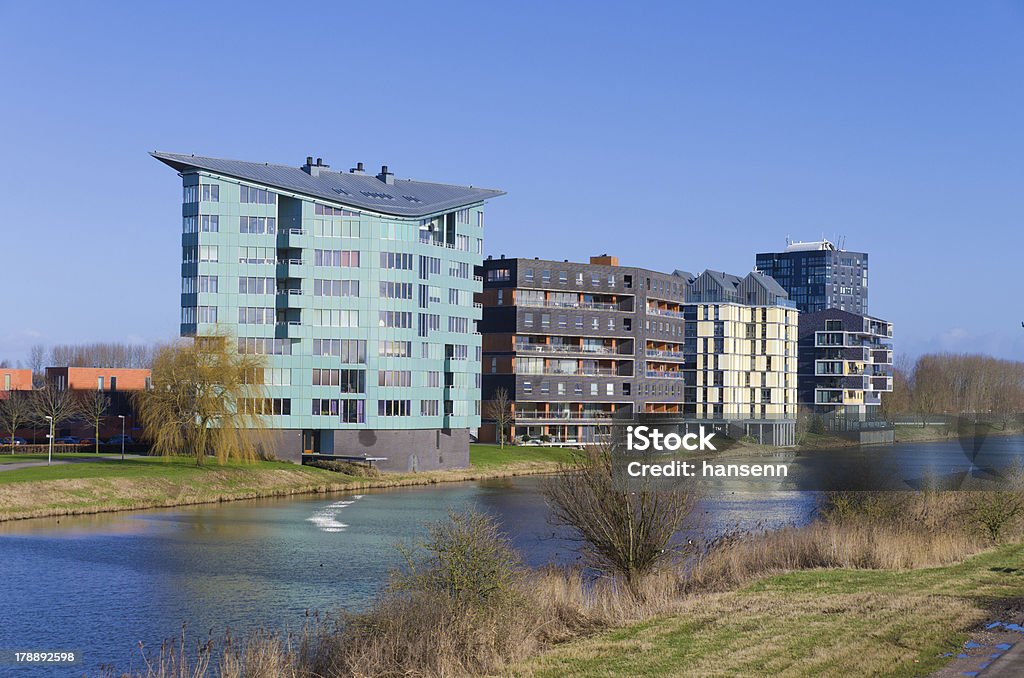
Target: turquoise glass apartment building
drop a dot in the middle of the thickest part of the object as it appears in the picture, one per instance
(359, 290)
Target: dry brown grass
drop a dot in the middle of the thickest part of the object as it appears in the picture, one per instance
(826, 625)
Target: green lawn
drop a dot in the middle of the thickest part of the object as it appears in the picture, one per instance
(168, 468)
(491, 457)
(807, 623)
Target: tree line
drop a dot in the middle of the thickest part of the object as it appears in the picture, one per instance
(36, 408)
(950, 383)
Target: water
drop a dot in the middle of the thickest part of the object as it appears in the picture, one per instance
(102, 584)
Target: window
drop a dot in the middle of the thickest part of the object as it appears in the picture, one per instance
(428, 408)
(324, 407)
(265, 406)
(326, 317)
(353, 381)
(342, 258)
(335, 288)
(324, 210)
(499, 275)
(393, 408)
(326, 377)
(396, 319)
(257, 255)
(207, 253)
(252, 285)
(395, 290)
(528, 275)
(349, 350)
(396, 260)
(264, 346)
(99, 383)
(459, 269)
(209, 192)
(394, 349)
(394, 378)
(257, 225)
(428, 322)
(207, 223)
(429, 266)
(254, 315)
(459, 325)
(347, 228)
(259, 196)
(462, 216)
(190, 194)
(480, 219)
(353, 411)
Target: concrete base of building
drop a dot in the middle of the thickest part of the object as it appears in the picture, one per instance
(390, 450)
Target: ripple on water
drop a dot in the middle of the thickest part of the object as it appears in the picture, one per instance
(327, 518)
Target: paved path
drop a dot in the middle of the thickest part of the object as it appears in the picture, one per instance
(1010, 665)
(73, 460)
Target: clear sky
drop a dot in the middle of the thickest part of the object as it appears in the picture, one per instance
(677, 135)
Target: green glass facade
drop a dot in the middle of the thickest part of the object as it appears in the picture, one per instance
(367, 320)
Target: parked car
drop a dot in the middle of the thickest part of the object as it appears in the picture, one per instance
(16, 441)
(91, 442)
(116, 440)
(65, 440)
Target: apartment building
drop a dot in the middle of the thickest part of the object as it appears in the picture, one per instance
(741, 350)
(358, 288)
(580, 347)
(845, 363)
(819, 275)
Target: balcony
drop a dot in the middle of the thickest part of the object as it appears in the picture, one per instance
(664, 312)
(585, 372)
(564, 349)
(579, 305)
(664, 374)
(666, 355)
(564, 415)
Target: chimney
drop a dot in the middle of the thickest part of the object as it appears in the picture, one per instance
(386, 176)
(358, 169)
(313, 170)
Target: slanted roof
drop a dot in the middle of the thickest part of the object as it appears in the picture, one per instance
(404, 198)
(768, 283)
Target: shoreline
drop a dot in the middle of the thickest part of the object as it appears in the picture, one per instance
(351, 484)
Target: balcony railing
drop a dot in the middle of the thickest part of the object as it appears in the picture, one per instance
(582, 305)
(675, 355)
(664, 312)
(563, 415)
(296, 231)
(664, 374)
(579, 372)
(293, 262)
(531, 347)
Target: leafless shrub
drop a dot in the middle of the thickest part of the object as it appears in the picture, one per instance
(621, 533)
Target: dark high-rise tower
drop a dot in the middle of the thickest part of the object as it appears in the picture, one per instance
(819, 276)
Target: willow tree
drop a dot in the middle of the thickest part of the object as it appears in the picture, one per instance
(206, 399)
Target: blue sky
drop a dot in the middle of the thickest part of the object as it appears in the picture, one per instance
(676, 135)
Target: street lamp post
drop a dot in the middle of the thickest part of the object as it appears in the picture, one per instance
(121, 417)
(49, 456)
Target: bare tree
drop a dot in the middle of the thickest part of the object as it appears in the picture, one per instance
(499, 408)
(56, 404)
(626, 532)
(93, 407)
(202, 402)
(15, 412)
(37, 363)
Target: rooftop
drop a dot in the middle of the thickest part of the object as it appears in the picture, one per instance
(379, 193)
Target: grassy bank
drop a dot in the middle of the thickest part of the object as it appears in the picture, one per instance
(99, 486)
(808, 623)
(891, 585)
